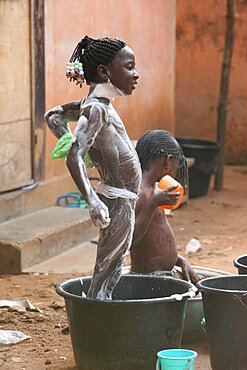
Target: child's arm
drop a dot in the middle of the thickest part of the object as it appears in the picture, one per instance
(187, 271)
(89, 125)
(58, 117)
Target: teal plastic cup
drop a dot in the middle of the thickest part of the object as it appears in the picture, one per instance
(176, 359)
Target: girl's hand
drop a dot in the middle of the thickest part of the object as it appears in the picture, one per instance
(100, 214)
(166, 197)
(187, 271)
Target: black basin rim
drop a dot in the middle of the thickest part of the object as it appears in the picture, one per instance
(73, 297)
(239, 264)
(193, 145)
(217, 290)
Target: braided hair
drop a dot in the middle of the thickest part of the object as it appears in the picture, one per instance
(160, 143)
(93, 52)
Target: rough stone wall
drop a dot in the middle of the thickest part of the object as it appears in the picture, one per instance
(199, 53)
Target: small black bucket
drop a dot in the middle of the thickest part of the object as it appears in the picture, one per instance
(241, 264)
(205, 153)
(145, 316)
(225, 307)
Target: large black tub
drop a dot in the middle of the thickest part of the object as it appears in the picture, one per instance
(205, 153)
(241, 264)
(225, 307)
(146, 315)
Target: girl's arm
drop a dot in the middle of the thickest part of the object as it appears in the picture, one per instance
(89, 125)
(187, 271)
(57, 118)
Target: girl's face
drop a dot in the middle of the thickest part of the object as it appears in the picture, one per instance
(122, 72)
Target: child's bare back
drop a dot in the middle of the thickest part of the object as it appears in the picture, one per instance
(156, 250)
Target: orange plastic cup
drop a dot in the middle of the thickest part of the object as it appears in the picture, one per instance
(165, 183)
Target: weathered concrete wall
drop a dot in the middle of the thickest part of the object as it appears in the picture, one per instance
(147, 26)
(15, 95)
(199, 53)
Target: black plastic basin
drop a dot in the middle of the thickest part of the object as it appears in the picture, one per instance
(146, 315)
(205, 153)
(225, 307)
(241, 264)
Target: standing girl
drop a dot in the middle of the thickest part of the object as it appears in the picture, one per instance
(109, 70)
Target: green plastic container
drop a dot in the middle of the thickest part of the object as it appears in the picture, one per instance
(176, 359)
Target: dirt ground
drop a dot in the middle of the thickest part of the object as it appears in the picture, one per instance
(217, 220)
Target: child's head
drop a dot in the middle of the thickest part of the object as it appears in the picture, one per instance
(99, 59)
(158, 144)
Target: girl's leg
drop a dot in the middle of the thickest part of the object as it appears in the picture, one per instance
(114, 243)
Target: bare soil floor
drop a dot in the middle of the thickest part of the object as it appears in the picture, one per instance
(217, 220)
